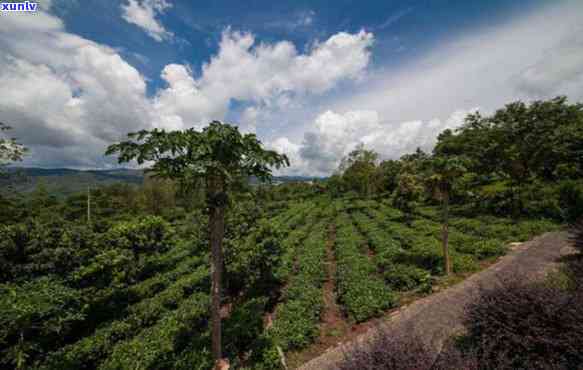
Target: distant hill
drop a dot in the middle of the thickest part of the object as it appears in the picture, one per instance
(63, 181)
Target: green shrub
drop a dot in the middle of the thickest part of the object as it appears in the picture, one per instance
(461, 242)
(464, 263)
(153, 347)
(528, 229)
(361, 291)
(264, 355)
(35, 317)
(242, 328)
(89, 351)
(425, 253)
(571, 200)
(251, 263)
(489, 248)
(296, 323)
(152, 234)
(479, 247)
(407, 277)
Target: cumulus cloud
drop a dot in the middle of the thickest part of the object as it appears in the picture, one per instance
(258, 72)
(534, 56)
(63, 92)
(143, 14)
(334, 135)
(68, 97)
(265, 74)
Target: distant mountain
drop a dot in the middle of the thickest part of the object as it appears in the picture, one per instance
(63, 181)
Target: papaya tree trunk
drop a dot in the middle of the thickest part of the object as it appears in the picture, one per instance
(445, 230)
(216, 235)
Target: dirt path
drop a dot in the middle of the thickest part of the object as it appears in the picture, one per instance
(334, 325)
(438, 316)
(333, 319)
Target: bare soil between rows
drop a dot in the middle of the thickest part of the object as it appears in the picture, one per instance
(436, 317)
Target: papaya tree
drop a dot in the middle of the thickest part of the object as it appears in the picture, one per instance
(444, 171)
(219, 155)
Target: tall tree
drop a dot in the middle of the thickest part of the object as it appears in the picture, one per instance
(409, 190)
(520, 144)
(220, 155)
(389, 172)
(359, 168)
(445, 170)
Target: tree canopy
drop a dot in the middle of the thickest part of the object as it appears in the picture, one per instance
(219, 149)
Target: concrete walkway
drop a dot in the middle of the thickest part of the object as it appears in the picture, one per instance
(439, 316)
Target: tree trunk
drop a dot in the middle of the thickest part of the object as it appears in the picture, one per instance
(88, 206)
(445, 231)
(216, 233)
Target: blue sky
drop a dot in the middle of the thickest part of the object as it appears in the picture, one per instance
(402, 29)
(311, 78)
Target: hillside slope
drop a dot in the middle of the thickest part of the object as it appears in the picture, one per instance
(440, 315)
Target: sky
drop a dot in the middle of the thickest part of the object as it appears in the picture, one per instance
(313, 79)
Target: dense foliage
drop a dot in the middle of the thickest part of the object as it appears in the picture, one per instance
(127, 284)
(523, 160)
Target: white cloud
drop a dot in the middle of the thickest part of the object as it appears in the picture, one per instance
(64, 94)
(535, 56)
(91, 97)
(334, 135)
(258, 72)
(265, 74)
(143, 14)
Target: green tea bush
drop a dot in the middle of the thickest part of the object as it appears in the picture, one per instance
(34, 319)
(525, 230)
(265, 355)
(464, 263)
(251, 263)
(153, 347)
(425, 253)
(385, 248)
(406, 277)
(33, 249)
(89, 351)
(152, 234)
(243, 327)
(462, 242)
(361, 290)
(479, 247)
(489, 248)
(296, 323)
